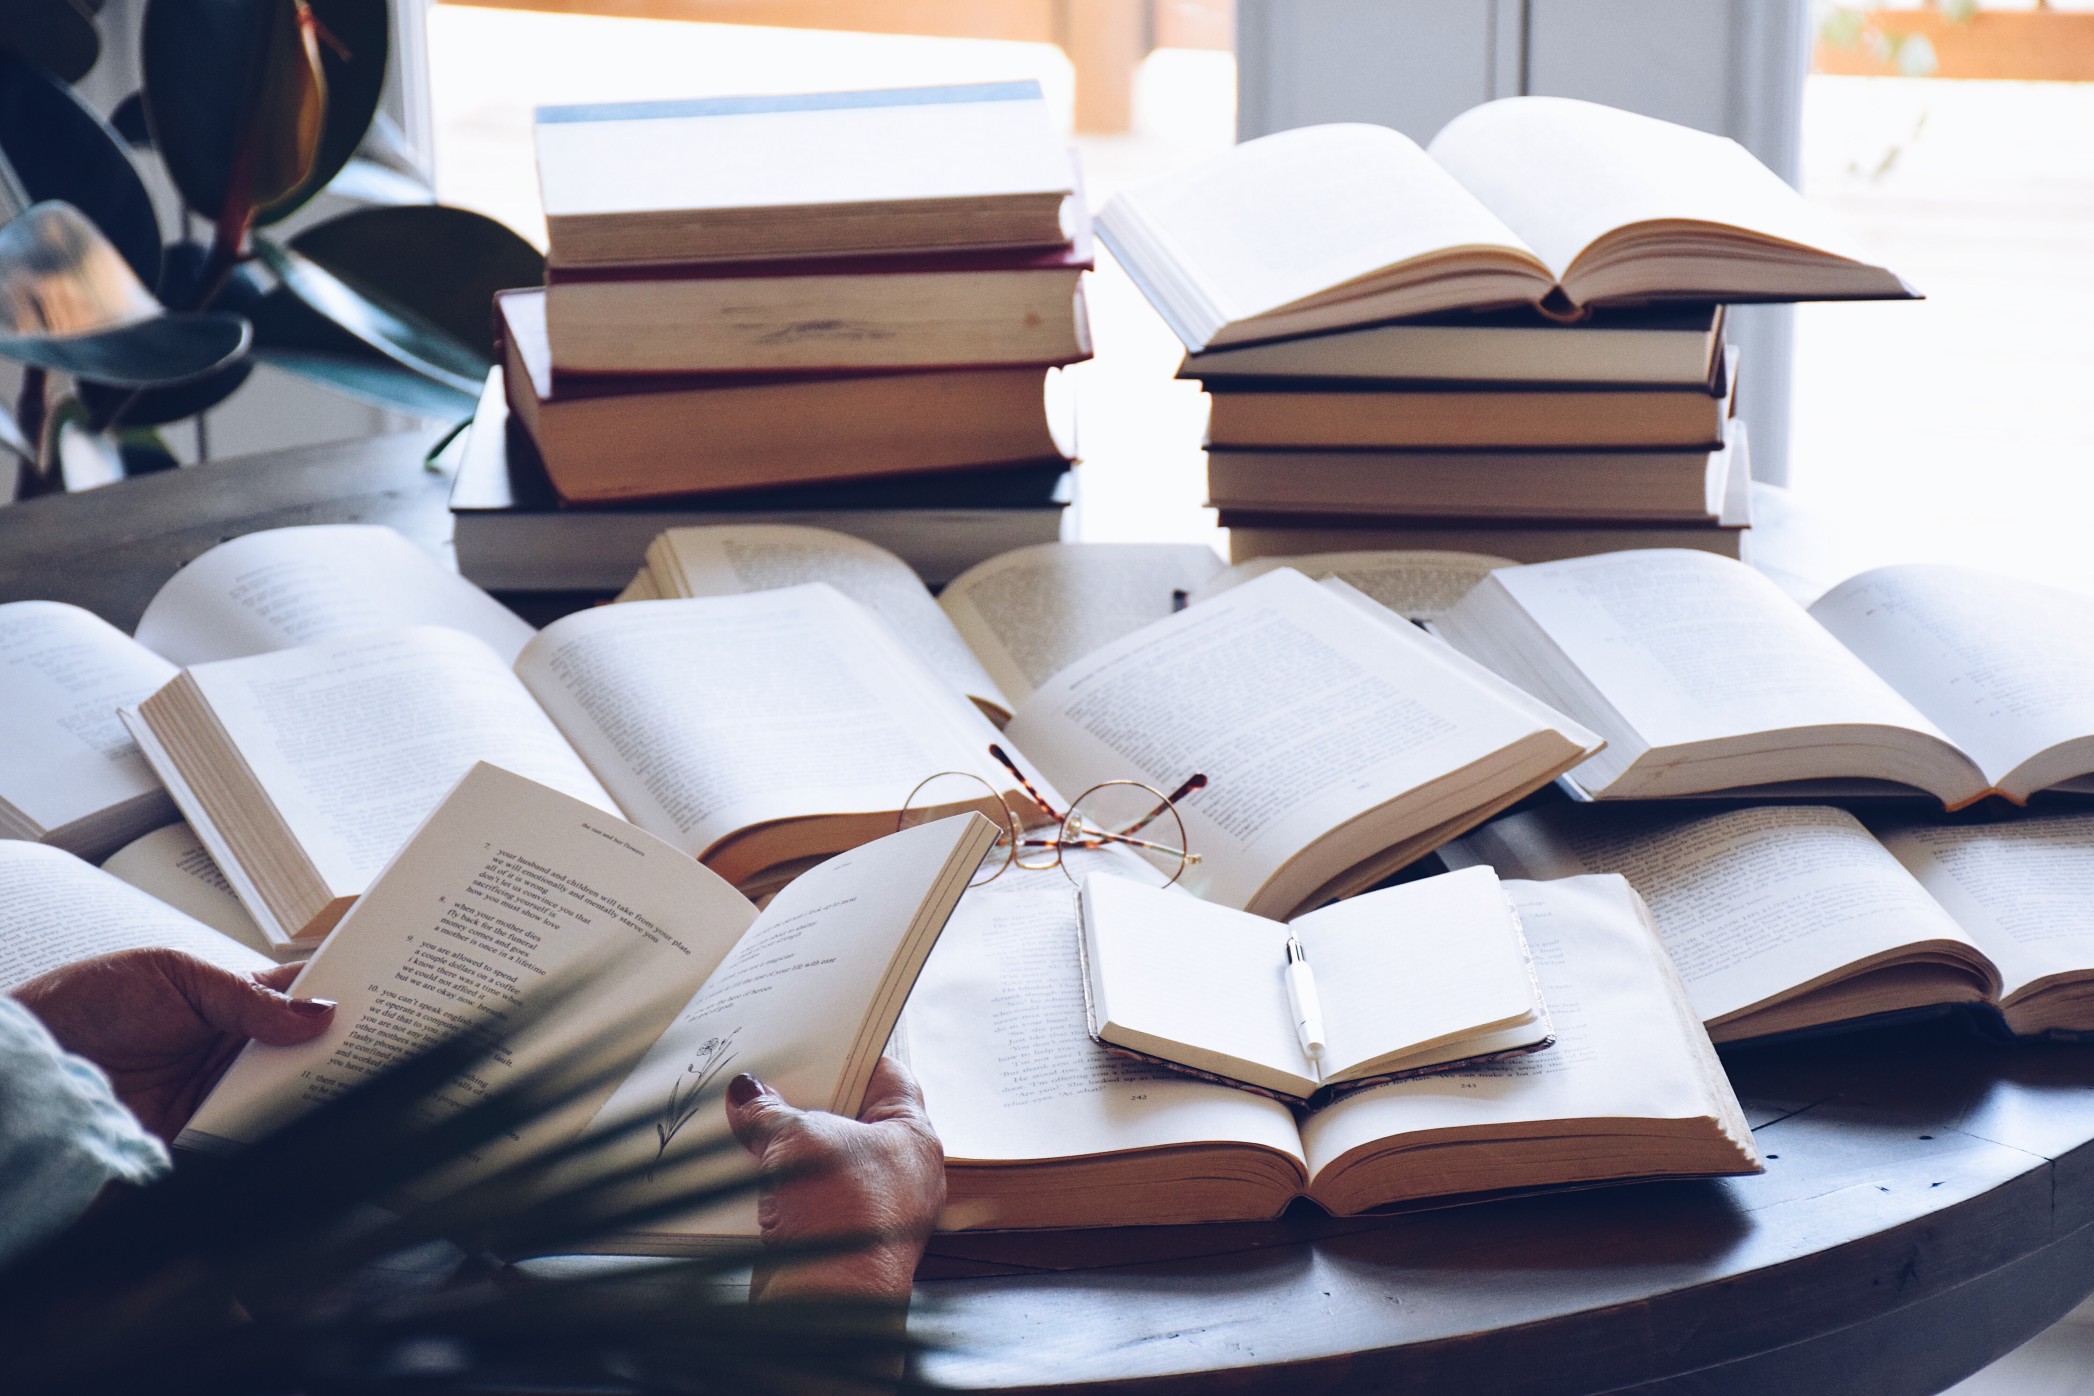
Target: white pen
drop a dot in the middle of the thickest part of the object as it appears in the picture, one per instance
(1301, 998)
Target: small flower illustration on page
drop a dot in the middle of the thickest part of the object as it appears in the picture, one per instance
(688, 1087)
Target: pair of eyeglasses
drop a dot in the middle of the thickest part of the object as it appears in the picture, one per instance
(1122, 826)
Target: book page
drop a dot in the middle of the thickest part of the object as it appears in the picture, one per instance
(1289, 216)
(2004, 666)
(55, 909)
(1009, 1072)
(1752, 905)
(1415, 585)
(2023, 889)
(1429, 962)
(733, 558)
(172, 864)
(508, 897)
(1687, 647)
(1625, 1048)
(1032, 612)
(1194, 983)
(356, 740)
(296, 586)
(63, 674)
(1562, 173)
(809, 995)
(717, 714)
(1432, 961)
(1303, 712)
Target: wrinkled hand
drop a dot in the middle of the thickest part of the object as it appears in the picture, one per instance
(881, 1175)
(164, 1025)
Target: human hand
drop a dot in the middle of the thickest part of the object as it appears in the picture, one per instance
(164, 1025)
(881, 1176)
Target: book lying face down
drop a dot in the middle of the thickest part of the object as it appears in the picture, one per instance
(512, 895)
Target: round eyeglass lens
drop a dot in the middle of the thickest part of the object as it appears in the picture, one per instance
(1126, 828)
(955, 792)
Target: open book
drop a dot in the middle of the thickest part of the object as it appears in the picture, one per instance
(1544, 201)
(1782, 918)
(1406, 980)
(997, 630)
(1705, 678)
(760, 733)
(69, 773)
(512, 895)
(172, 865)
(1043, 1127)
(55, 909)
(1339, 743)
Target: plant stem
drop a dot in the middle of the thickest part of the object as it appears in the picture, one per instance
(40, 474)
(228, 241)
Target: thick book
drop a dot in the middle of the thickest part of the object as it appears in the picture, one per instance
(1846, 919)
(1428, 976)
(72, 777)
(803, 175)
(1261, 535)
(830, 315)
(1539, 201)
(511, 898)
(650, 437)
(1677, 344)
(1706, 678)
(511, 532)
(1264, 412)
(1340, 743)
(760, 733)
(1043, 1127)
(1647, 486)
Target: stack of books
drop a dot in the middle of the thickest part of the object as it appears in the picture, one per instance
(1509, 342)
(796, 308)
(1502, 433)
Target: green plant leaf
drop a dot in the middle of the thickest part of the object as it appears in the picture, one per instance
(61, 149)
(292, 336)
(235, 98)
(354, 39)
(58, 36)
(145, 451)
(69, 303)
(435, 265)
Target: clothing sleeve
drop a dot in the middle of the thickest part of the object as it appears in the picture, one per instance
(63, 1134)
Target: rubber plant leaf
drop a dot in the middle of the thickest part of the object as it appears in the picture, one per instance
(60, 148)
(69, 303)
(235, 99)
(428, 263)
(132, 407)
(354, 37)
(292, 336)
(58, 36)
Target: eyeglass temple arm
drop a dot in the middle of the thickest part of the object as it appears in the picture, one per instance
(1003, 759)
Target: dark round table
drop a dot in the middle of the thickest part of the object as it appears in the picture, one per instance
(1928, 1202)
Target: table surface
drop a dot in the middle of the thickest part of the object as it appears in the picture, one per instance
(1928, 1201)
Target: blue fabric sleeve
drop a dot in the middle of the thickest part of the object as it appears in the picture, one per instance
(63, 1134)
